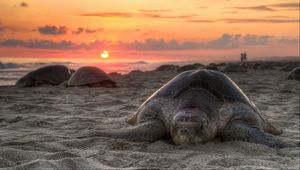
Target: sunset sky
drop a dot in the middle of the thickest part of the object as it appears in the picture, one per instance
(148, 29)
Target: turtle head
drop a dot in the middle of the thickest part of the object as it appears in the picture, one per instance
(190, 126)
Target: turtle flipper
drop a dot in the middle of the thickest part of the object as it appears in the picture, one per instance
(272, 129)
(240, 131)
(146, 131)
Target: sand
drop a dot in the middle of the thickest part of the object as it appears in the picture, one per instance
(38, 127)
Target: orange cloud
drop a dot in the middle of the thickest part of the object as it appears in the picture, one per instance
(142, 14)
(272, 7)
(251, 20)
(155, 10)
(226, 41)
(108, 15)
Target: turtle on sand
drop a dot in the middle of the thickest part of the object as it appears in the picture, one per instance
(194, 66)
(92, 77)
(196, 107)
(211, 67)
(234, 67)
(48, 75)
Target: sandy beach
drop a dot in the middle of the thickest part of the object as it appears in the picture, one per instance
(38, 127)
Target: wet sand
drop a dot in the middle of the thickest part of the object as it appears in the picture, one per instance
(38, 127)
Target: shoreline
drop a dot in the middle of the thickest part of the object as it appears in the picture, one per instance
(277, 63)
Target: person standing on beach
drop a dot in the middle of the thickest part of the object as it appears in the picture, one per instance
(243, 58)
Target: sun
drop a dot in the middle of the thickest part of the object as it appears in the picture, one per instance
(104, 54)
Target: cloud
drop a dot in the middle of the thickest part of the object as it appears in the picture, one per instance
(287, 5)
(86, 30)
(23, 4)
(52, 45)
(39, 44)
(108, 15)
(52, 30)
(225, 41)
(143, 14)
(152, 15)
(279, 16)
(272, 19)
(251, 20)
(256, 40)
(256, 8)
(155, 10)
(271, 7)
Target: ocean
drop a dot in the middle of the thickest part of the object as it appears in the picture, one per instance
(11, 71)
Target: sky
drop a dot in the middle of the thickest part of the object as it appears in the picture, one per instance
(148, 30)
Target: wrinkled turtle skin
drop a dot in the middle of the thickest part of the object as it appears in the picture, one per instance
(48, 75)
(92, 77)
(196, 107)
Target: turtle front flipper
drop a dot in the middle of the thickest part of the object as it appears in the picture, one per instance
(147, 131)
(272, 129)
(240, 131)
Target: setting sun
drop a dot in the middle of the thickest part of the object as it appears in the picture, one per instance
(104, 54)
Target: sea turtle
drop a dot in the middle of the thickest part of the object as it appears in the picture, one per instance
(195, 107)
(167, 67)
(211, 67)
(234, 67)
(92, 77)
(194, 66)
(50, 75)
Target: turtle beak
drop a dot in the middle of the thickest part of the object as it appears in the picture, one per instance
(181, 139)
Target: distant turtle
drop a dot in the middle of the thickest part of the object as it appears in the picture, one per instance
(196, 107)
(211, 67)
(135, 72)
(294, 74)
(48, 75)
(168, 67)
(234, 67)
(91, 76)
(194, 66)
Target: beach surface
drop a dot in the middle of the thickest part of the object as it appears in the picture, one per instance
(38, 127)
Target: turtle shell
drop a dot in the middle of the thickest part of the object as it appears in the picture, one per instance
(210, 82)
(215, 82)
(87, 76)
(53, 74)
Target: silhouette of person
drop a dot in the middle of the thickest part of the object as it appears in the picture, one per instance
(242, 57)
(245, 57)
